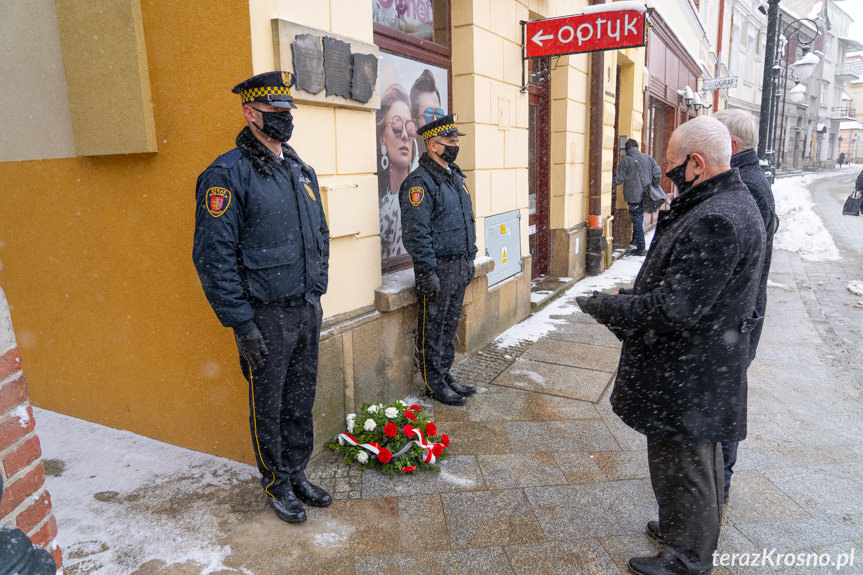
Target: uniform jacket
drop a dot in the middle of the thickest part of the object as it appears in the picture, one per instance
(635, 171)
(754, 179)
(685, 324)
(437, 217)
(858, 185)
(260, 231)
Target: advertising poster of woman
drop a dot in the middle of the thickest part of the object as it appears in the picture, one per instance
(412, 94)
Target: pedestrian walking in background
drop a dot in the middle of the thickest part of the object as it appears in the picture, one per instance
(439, 233)
(262, 251)
(635, 171)
(685, 326)
(743, 127)
(841, 158)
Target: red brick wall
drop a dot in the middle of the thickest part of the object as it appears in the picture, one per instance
(26, 503)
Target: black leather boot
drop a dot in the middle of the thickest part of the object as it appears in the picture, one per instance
(460, 389)
(288, 508)
(441, 392)
(309, 493)
(657, 565)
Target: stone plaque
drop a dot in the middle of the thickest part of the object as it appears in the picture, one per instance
(365, 77)
(308, 60)
(337, 64)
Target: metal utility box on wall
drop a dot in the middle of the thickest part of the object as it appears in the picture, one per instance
(503, 245)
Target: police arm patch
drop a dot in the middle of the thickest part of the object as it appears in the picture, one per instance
(416, 195)
(218, 200)
(464, 187)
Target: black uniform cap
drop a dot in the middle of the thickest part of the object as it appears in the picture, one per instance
(272, 88)
(441, 127)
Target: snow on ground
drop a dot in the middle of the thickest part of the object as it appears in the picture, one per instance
(623, 271)
(856, 287)
(102, 471)
(800, 228)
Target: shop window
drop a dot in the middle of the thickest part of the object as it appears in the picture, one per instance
(414, 38)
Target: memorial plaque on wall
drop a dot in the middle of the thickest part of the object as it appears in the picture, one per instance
(308, 59)
(337, 66)
(331, 69)
(365, 77)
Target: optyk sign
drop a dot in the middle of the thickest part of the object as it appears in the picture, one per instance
(599, 30)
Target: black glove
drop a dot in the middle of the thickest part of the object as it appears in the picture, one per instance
(471, 272)
(252, 347)
(428, 286)
(590, 305)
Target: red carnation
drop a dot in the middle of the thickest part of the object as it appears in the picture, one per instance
(431, 429)
(444, 439)
(437, 449)
(384, 455)
(410, 415)
(409, 468)
(409, 430)
(391, 430)
(417, 407)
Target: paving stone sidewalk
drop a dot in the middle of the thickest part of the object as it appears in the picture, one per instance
(545, 479)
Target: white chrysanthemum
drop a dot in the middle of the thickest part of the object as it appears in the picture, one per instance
(363, 457)
(373, 408)
(391, 412)
(369, 425)
(350, 421)
(401, 404)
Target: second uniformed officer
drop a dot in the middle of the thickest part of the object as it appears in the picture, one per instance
(438, 232)
(262, 254)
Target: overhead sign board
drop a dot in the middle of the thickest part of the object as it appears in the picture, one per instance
(716, 83)
(599, 30)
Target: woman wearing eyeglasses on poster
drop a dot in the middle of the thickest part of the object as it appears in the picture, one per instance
(397, 149)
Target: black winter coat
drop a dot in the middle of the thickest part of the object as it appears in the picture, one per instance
(685, 324)
(754, 179)
(437, 216)
(261, 235)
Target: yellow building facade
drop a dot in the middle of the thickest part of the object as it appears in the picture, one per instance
(99, 189)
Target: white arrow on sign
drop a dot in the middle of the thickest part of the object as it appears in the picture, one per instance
(538, 38)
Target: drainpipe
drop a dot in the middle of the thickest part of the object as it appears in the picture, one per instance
(596, 243)
(719, 52)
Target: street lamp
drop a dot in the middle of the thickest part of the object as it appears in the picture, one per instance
(776, 44)
(801, 31)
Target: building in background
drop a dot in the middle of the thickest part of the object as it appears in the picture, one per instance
(96, 234)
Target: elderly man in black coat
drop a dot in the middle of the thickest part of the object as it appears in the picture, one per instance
(685, 326)
(743, 127)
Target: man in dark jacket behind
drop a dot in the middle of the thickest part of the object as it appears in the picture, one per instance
(439, 233)
(743, 127)
(685, 327)
(262, 251)
(635, 171)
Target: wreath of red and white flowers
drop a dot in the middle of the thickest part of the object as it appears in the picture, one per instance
(395, 438)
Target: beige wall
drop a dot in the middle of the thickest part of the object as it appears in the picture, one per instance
(486, 71)
(338, 143)
(34, 106)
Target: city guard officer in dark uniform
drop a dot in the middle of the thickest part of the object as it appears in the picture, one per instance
(262, 253)
(438, 232)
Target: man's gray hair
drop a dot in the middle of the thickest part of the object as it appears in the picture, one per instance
(707, 136)
(743, 126)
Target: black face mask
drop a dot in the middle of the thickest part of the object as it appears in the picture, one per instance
(678, 176)
(449, 154)
(277, 125)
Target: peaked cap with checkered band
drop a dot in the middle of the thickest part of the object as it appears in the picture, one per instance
(272, 88)
(441, 127)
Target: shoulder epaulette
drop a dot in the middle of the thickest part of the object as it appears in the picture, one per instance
(227, 160)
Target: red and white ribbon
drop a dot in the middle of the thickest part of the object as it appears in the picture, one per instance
(428, 448)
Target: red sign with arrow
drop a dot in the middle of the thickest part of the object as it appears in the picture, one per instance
(600, 30)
